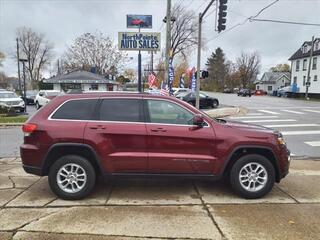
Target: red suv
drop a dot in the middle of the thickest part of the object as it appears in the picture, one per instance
(76, 137)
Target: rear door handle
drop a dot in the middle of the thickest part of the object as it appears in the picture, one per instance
(96, 127)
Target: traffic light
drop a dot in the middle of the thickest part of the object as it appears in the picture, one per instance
(222, 15)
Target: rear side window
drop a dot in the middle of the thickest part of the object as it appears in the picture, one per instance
(76, 110)
(122, 110)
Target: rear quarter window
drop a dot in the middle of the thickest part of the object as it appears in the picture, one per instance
(76, 110)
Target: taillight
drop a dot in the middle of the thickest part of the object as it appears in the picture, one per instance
(29, 128)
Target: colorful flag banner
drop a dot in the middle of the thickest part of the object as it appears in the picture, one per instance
(171, 75)
(181, 82)
(164, 89)
(193, 80)
(152, 81)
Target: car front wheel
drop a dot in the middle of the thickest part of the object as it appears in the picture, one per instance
(72, 177)
(252, 176)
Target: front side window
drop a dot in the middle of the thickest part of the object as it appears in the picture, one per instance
(121, 110)
(168, 113)
(76, 110)
(314, 63)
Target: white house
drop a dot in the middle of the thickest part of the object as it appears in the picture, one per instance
(299, 68)
(82, 80)
(272, 81)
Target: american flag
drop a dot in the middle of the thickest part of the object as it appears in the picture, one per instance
(164, 89)
(152, 80)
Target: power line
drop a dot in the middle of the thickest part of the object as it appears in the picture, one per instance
(245, 21)
(286, 22)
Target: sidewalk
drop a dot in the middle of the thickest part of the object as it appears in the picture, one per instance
(160, 209)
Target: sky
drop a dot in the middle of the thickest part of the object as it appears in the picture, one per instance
(63, 20)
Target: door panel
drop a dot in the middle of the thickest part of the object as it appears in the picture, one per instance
(120, 135)
(121, 146)
(177, 147)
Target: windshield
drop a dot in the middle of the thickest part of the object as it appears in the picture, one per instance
(8, 95)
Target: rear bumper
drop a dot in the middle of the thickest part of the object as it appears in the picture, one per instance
(32, 170)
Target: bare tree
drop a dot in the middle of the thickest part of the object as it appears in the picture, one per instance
(248, 67)
(2, 57)
(93, 50)
(281, 68)
(183, 31)
(37, 50)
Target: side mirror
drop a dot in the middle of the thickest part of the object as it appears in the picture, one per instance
(41, 94)
(198, 120)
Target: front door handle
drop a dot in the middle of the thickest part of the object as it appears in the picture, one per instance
(158, 130)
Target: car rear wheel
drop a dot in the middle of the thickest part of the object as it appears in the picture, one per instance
(72, 177)
(252, 176)
(215, 103)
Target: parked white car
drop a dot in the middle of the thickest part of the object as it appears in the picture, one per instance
(11, 101)
(44, 96)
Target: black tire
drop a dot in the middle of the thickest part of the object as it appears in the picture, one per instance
(253, 159)
(215, 103)
(192, 103)
(88, 185)
(37, 105)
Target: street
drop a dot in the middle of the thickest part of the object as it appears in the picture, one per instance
(159, 209)
(298, 120)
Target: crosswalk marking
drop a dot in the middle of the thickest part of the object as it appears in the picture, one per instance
(314, 143)
(269, 120)
(292, 125)
(313, 111)
(253, 117)
(270, 112)
(254, 114)
(287, 133)
(291, 111)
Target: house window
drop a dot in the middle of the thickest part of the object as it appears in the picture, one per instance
(94, 87)
(297, 65)
(269, 88)
(316, 46)
(304, 80)
(295, 80)
(258, 87)
(314, 63)
(304, 67)
(315, 78)
(305, 49)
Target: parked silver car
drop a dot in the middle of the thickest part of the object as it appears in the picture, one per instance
(10, 101)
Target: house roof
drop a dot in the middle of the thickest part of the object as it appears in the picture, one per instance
(79, 76)
(269, 77)
(299, 54)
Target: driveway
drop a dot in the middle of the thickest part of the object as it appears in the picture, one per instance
(159, 209)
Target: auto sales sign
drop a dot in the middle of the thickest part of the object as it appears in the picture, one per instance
(143, 41)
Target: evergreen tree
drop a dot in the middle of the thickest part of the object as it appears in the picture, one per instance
(218, 70)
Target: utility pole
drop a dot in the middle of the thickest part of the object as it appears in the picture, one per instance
(309, 68)
(139, 69)
(168, 40)
(201, 15)
(18, 61)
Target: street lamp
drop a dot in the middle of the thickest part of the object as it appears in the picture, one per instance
(23, 58)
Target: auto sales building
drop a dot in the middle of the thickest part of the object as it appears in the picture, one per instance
(82, 80)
